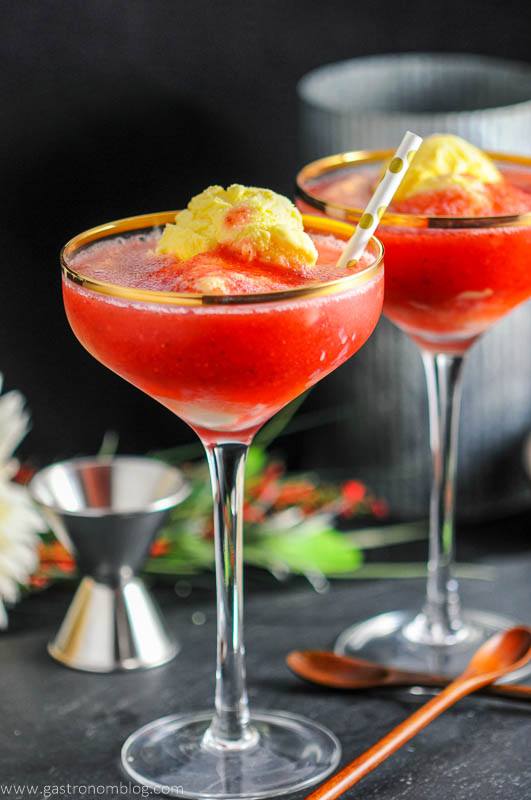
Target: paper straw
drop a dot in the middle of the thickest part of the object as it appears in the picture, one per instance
(383, 194)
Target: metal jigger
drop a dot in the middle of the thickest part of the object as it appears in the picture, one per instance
(106, 512)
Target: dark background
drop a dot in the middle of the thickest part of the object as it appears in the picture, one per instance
(116, 108)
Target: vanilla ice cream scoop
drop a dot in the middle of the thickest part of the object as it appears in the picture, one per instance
(253, 223)
(444, 160)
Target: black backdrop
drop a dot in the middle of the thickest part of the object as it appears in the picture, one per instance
(114, 108)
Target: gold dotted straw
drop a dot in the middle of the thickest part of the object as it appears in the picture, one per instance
(383, 194)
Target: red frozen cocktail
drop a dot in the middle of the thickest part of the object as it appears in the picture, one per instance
(224, 315)
(457, 241)
(224, 365)
(447, 280)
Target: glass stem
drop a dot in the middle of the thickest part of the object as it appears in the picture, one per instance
(442, 612)
(230, 727)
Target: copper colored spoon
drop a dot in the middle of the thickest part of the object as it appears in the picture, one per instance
(344, 672)
(500, 655)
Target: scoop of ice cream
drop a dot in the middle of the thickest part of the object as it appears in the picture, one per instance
(253, 223)
(212, 282)
(444, 161)
(452, 195)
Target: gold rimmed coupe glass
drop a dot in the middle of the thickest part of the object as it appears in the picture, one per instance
(448, 280)
(224, 364)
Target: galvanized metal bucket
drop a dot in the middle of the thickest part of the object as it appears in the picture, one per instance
(368, 103)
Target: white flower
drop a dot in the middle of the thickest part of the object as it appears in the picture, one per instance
(14, 423)
(19, 522)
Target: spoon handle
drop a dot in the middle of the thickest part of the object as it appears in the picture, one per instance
(515, 690)
(371, 758)
(510, 690)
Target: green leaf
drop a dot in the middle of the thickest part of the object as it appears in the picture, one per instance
(188, 553)
(109, 444)
(386, 535)
(326, 551)
(400, 571)
(276, 425)
(180, 453)
(256, 461)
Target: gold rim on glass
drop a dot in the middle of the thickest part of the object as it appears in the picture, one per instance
(145, 221)
(330, 164)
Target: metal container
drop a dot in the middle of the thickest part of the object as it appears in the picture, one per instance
(368, 103)
(106, 512)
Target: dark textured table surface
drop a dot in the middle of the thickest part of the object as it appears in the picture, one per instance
(63, 729)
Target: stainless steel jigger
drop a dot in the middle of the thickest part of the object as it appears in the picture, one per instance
(106, 512)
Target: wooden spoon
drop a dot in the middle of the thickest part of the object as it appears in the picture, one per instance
(344, 672)
(501, 654)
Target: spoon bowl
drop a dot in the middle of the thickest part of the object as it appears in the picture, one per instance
(340, 672)
(325, 668)
(501, 653)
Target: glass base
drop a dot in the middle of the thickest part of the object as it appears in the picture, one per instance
(171, 756)
(401, 639)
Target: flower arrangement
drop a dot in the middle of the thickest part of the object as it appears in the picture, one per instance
(291, 522)
(295, 523)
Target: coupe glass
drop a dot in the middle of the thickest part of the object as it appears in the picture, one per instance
(448, 280)
(225, 364)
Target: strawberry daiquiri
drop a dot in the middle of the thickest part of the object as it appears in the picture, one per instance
(224, 313)
(457, 241)
(223, 368)
(446, 282)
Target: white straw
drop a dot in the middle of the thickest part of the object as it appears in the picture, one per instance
(383, 194)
